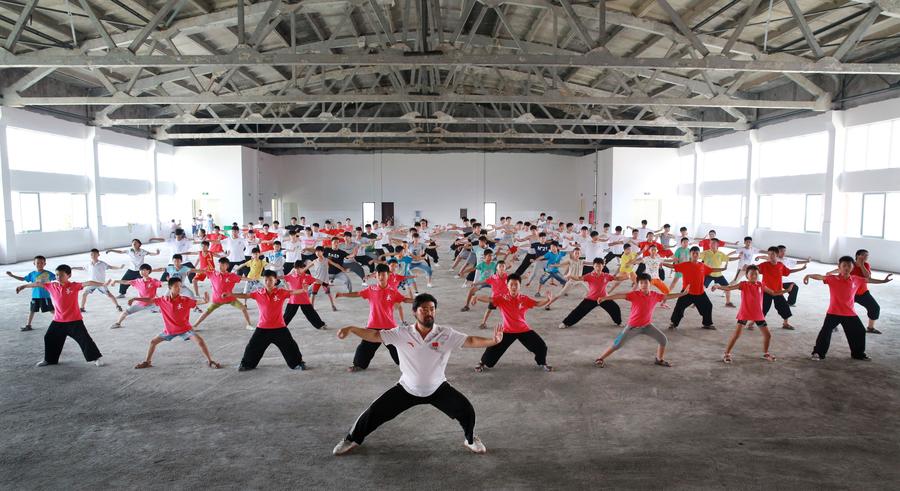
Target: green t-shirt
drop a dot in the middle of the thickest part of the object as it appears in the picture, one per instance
(485, 270)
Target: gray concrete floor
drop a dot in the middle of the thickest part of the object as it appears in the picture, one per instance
(701, 424)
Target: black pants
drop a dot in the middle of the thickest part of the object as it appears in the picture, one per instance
(873, 310)
(432, 253)
(260, 341)
(246, 269)
(792, 295)
(128, 276)
(56, 335)
(587, 305)
(366, 351)
(610, 256)
(232, 264)
(530, 340)
(308, 310)
(287, 268)
(781, 305)
(853, 329)
(529, 258)
(396, 400)
(704, 307)
(367, 262)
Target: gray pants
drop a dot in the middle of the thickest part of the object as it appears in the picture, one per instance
(333, 277)
(629, 332)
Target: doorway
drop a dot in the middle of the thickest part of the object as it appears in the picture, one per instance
(645, 209)
(387, 211)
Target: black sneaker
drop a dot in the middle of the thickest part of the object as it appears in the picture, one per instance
(82, 310)
(26, 328)
(872, 330)
(242, 368)
(862, 358)
(709, 327)
(671, 326)
(301, 366)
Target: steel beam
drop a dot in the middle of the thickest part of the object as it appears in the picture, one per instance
(234, 135)
(434, 146)
(16, 31)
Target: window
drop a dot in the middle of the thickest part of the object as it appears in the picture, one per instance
(873, 215)
(368, 212)
(490, 213)
(802, 155)
(726, 164)
(37, 151)
(892, 217)
(727, 210)
(124, 162)
(873, 146)
(26, 208)
(122, 209)
(815, 213)
(686, 169)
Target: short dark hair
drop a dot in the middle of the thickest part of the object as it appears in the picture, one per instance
(172, 280)
(144, 266)
(845, 259)
(224, 260)
(92, 250)
(599, 260)
(40, 257)
(748, 238)
(514, 276)
(643, 277)
(177, 256)
(320, 248)
(204, 243)
(267, 273)
(773, 249)
(382, 268)
(860, 252)
(423, 298)
(752, 267)
(695, 249)
(64, 268)
(255, 249)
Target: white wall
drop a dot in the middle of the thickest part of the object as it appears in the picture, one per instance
(216, 171)
(644, 174)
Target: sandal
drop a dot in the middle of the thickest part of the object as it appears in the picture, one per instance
(547, 308)
(662, 363)
(213, 364)
(482, 326)
(480, 368)
(768, 357)
(119, 308)
(729, 304)
(143, 364)
(599, 363)
(465, 309)
(726, 358)
(546, 368)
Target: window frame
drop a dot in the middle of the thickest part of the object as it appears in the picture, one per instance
(40, 218)
(806, 213)
(862, 220)
(364, 221)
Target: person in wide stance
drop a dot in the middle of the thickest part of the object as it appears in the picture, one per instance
(424, 350)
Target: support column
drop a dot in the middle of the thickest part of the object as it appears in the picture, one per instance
(7, 227)
(93, 174)
(751, 211)
(697, 202)
(154, 188)
(833, 201)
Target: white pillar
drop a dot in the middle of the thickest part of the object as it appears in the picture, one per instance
(697, 203)
(751, 209)
(95, 221)
(7, 227)
(833, 202)
(154, 189)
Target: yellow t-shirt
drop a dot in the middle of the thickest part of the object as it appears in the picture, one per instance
(714, 259)
(256, 268)
(626, 262)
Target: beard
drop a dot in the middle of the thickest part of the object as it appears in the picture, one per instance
(427, 321)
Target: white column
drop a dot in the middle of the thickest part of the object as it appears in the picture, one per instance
(93, 174)
(833, 202)
(697, 203)
(751, 210)
(7, 227)
(154, 189)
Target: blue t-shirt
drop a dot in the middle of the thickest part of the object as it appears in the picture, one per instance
(177, 273)
(552, 260)
(40, 277)
(405, 263)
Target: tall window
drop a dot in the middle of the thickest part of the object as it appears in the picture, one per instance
(45, 152)
(118, 210)
(807, 154)
(815, 212)
(791, 212)
(727, 210)
(490, 213)
(124, 162)
(686, 169)
(873, 146)
(726, 164)
(368, 212)
(873, 215)
(26, 209)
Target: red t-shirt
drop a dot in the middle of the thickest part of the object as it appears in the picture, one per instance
(642, 307)
(843, 293)
(270, 306)
(692, 276)
(215, 246)
(751, 301)
(263, 236)
(222, 285)
(772, 274)
(597, 285)
(513, 309)
(704, 244)
(645, 249)
(65, 300)
(206, 261)
(858, 272)
(381, 306)
(498, 284)
(394, 280)
(176, 313)
(146, 288)
(299, 282)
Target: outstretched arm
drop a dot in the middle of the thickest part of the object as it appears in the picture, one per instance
(481, 342)
(140, 299)
(617, 296)
(727, 288)
(346, 294)
(878, 282)
(370, 335)
(676, 295)
(11, 275)
(813, 277)
(28, 285)
(797, 270)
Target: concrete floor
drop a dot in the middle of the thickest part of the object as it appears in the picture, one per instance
(701, 424)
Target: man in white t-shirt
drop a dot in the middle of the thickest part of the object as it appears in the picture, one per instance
(424, 350)
(234, 246)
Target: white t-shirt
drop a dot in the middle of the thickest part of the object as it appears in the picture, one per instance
(235, 248)
(97, 271)
(747, 255)
(423, 361)
(136, 258)
(180, 246)
(592, 250)
(292, 250)
(642, 233)
(790, 263)
(617, 248)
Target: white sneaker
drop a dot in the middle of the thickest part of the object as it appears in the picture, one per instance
(429, 285)
(562, 326)
(364, 284)
(115, 325)
(42, 363)
(249, 327)
(475, 447)
(99, 362)
(345, 446)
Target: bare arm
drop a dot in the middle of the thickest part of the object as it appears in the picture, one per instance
(28, 285)
(726, 288)
(797, 270)
(140, 299)
(11, 275)
(617, 296)
(370, 335)
(878, 282)
(676, 295)
(346, 294)
(808, 277)
(481, 342)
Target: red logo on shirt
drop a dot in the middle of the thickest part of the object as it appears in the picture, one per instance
(411, 344)
(435, 345)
